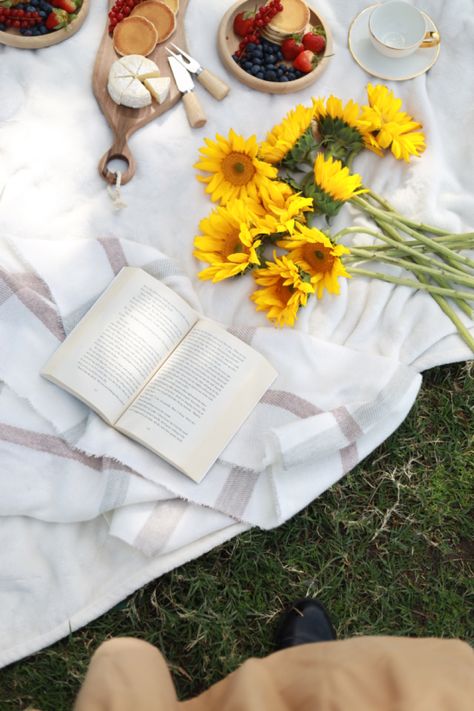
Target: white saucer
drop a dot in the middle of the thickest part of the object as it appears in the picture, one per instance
(387, 68)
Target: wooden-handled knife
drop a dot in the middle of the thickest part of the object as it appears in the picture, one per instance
(194, 112)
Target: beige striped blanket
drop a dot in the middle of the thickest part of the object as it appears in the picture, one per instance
(88, 515)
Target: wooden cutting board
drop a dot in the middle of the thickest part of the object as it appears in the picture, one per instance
(122, 120)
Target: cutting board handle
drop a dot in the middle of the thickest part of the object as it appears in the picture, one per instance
(119, 150)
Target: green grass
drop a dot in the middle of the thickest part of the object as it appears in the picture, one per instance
(389, 550)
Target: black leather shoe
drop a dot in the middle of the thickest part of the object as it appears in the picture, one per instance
(306, 621)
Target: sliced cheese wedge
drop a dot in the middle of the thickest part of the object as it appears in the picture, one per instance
(133, 63)
(158, 88)
(134, 80)
(117, 86)
(136, 96)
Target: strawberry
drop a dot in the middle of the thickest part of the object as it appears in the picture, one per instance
(314, 41)
(57, 19)
(291, 47)
(67, 5)
(306, 61)
(243, 23)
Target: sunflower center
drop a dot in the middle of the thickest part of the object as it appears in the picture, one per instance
(231, 244)
(238, 168)
(283, 292)
(319, 257)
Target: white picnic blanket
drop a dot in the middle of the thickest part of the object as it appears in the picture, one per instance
(87, 516)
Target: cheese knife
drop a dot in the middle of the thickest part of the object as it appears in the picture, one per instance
(195, 114)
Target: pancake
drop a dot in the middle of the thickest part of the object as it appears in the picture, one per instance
(135, 35)
(173, 5)
(292, 19)
(159, 14)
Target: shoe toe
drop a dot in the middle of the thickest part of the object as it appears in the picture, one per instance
(305, 622)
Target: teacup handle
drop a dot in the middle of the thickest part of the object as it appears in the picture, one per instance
(431, 39)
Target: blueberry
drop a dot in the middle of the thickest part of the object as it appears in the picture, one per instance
(260, 75)
(255, 69)
(284, 78)
(257, 60)
(247, 65)
(280, 71)
(270, 66)
(270, 76)
(251, 46)
(258, 51)
(271, 59)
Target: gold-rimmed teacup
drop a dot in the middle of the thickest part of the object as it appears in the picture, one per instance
(397, 29)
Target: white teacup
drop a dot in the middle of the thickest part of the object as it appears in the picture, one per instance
(397, 29)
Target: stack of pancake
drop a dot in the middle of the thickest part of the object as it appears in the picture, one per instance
(292, 20)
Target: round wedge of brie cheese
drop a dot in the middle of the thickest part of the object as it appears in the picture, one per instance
(134, 80)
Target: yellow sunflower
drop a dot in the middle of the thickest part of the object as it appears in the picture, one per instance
(229, 243)
(333, 185)
(341, 130)
(283, 137)
(389, 126)
(281, 205)
(313, 252)
(284, 290)
(235, 171)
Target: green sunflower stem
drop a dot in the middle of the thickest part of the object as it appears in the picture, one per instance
(461, 328)
(415, 225)
(443, 291)
(451, 240)
(439, 280)
(393, 220)
(451, 257)
(367, 255)
(402, 247)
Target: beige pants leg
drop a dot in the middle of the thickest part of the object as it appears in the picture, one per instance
(361, 674)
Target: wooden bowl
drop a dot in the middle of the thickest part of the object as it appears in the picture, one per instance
(13, 38)
(228, 42)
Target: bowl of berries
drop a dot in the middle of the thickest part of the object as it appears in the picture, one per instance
(275, 46)
(33, 24)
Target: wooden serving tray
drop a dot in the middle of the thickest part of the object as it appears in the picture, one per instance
(228, 42)
(15, 39)
(122, 120)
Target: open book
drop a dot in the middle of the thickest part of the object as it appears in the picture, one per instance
(151, 367)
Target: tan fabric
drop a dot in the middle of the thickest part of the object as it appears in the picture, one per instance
(361, 674)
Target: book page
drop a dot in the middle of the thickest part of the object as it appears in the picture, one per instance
(120, 343)
(198, 399)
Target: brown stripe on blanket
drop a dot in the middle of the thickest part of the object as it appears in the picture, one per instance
(302, 408)
(237, 490)
(115, 255)
(290, 402)
(34, 282)
(55, 445)
(36, 304)
(349, 457)
(347, 424)
(5, 291)
(160, 525)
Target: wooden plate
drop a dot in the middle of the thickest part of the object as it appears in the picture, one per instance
(14, 39)
(228, 42)
(122, 120)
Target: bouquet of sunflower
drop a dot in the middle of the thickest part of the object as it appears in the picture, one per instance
(272, 194)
